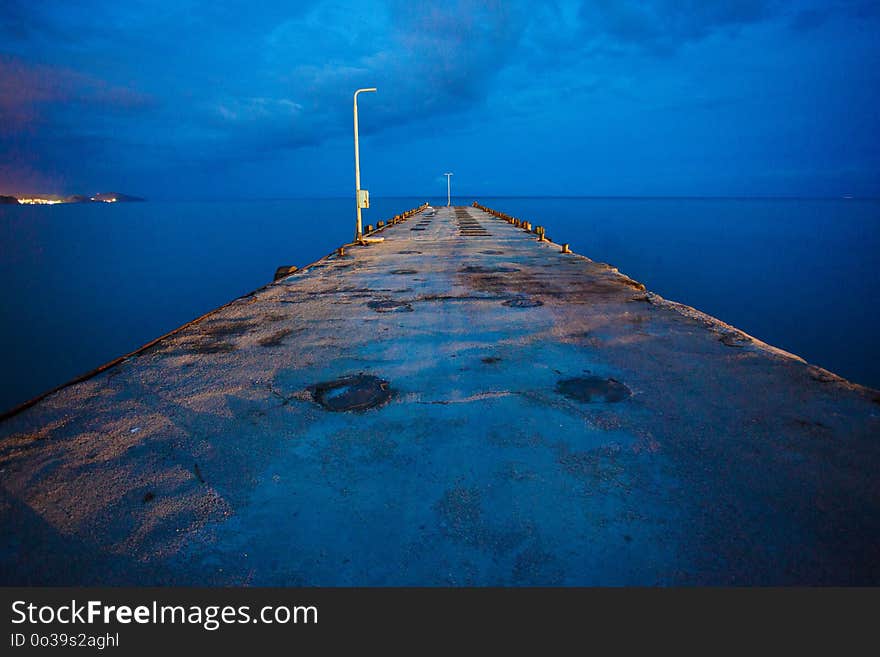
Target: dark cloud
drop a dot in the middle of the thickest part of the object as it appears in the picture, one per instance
(664, 25)
(430, 60)
(17, 22)
(809, 18)
(30, 93)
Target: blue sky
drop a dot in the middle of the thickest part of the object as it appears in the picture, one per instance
(191, 99)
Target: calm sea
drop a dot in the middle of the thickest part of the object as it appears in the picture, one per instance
(82, 284)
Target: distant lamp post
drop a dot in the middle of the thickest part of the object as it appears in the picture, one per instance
(448, 189)
(362, 195)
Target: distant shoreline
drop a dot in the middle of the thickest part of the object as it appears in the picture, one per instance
(54, 199)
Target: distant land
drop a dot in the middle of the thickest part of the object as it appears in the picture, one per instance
(54, 199)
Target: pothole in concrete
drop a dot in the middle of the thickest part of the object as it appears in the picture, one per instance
(351, 393)
(402, 272)
(492, 252)
(480, 269)
(523, 302)
(389, 306)
(592, 389)
(416, 228)
(491, 360)
(410, 252)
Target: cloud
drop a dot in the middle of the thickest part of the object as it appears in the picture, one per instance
(194, 83)
(664, 25)
(55, 119)
(428, 60)
(810, 18)
(29, 92)
(289, 82)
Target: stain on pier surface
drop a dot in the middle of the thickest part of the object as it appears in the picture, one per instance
(222, 328)
(207, 346)
(523, 302)
(389, 306)
(591, 389)
(274, 339)
(487, 269)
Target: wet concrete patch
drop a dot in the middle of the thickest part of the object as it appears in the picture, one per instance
(274, 339)
(358, 392)
(207, 347)
(492, 252)
(403, 272)
(229, 327)
(390, 306)
(523, 302)
(587, 338)
(592, 389)
(482, 269)
(460, 297)
(410, 252)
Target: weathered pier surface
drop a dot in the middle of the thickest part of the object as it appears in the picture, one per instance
(458, 404)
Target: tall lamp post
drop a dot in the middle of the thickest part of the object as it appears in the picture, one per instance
(448, 189)
(362, 195)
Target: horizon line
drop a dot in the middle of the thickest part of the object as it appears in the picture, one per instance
(197, 199)
(532, 196)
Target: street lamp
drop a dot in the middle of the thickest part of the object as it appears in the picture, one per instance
(362, 196)
(448, 188)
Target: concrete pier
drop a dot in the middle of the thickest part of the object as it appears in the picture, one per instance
(461, 403)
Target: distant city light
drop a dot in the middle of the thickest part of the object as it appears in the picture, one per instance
(56, 201)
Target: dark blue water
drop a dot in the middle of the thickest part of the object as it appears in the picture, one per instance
(82, 284)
